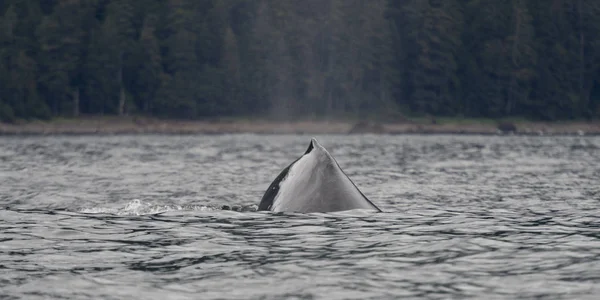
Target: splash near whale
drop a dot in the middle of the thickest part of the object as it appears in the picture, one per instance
(314, 183)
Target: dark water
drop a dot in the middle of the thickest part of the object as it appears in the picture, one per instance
(138, 217)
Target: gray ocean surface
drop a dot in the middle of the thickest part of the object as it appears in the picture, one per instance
(141, 217)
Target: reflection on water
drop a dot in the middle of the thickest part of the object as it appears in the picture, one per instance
(141, 217)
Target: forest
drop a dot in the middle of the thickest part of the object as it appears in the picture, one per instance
(290, 59)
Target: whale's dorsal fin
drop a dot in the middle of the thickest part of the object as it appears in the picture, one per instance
(314, 183)
(310, 146)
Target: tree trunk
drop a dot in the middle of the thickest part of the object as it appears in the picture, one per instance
(76, 102)
(122, 101)
(121, 88)
(383, 103)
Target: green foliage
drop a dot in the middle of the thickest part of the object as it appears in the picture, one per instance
(300, 58)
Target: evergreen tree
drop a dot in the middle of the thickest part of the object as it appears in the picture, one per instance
(434, 79)
(63, 38)
(300, 58)
(20, 95)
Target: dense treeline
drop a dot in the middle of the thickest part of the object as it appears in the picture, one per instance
(297, 58)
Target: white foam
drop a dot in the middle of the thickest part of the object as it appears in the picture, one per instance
(138, 207)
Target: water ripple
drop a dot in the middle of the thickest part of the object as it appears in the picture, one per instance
(156, 217)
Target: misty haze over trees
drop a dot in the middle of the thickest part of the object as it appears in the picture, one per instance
(300, 58)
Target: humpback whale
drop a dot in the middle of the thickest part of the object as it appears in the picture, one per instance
(314, 183)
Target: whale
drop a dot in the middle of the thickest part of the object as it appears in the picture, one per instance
(314, 183)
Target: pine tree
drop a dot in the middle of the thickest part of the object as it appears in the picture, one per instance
(434, 79)
(63, 38)
(19, 88)
(150, 72)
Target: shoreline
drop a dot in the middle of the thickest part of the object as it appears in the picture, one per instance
(141, 125)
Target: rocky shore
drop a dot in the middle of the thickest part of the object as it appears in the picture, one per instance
(137, 125)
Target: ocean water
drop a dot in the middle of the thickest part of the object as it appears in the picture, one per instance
(174, 217)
